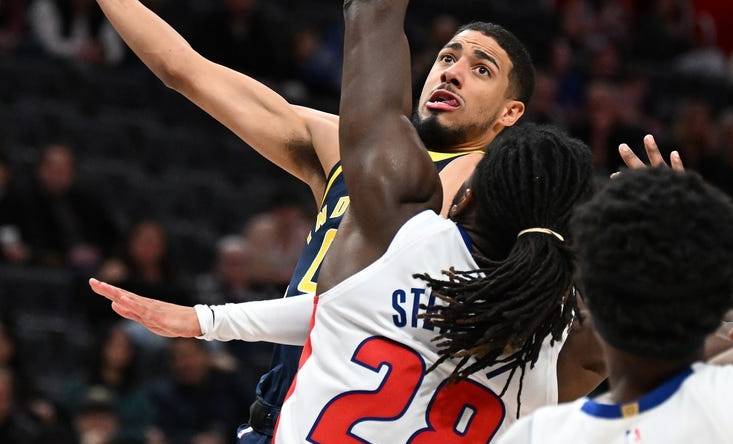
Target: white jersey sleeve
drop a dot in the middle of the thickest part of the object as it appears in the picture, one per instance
(714, 392)
(280, 321)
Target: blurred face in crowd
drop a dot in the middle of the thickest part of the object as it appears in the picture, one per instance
(464, 102)
(189, 362)
(97, 426)
(56, 170)
(234, 257)
(117, 352)
(147, 245)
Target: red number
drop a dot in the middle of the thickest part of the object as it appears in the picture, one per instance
(388, 402)
(461, 412)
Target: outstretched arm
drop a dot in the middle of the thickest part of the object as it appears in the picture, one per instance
(387, 169)
(281, 321)
(291, 137)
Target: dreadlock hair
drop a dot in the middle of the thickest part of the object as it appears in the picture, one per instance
(532, 176)
(654, 258)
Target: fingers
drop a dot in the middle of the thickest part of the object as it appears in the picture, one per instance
(630, 159)
(652, 152)
(108, 291)
(676, 162)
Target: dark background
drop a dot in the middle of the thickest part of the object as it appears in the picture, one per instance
(105, 172)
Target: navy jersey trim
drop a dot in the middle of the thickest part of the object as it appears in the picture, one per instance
(645, 403)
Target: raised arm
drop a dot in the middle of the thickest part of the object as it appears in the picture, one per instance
(387, 169)
(280, 132)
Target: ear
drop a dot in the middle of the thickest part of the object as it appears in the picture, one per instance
(460, 205)
(513, 111)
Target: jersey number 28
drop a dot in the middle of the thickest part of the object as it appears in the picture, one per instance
(459, 412)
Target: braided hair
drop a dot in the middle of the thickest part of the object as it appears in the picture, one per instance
(501, 313)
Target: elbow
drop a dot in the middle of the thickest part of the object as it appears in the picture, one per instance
(172, 74)
(175, 68)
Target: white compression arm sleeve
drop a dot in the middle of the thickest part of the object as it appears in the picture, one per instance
(281, 321)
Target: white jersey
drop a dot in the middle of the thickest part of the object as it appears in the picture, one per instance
(363, 375)
(693, 407)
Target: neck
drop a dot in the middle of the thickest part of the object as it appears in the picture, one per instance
(631, 376)
(481, 247)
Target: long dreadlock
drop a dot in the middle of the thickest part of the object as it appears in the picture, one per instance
(501, 313)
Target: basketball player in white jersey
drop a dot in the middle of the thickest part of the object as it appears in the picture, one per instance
(654, 252)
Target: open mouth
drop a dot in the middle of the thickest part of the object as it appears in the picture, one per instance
(443, 100)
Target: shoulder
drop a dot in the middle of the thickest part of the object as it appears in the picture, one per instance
(709, 377)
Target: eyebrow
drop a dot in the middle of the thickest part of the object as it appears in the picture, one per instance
(481, 55)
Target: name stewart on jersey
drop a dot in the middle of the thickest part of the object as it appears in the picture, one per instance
(407, 305)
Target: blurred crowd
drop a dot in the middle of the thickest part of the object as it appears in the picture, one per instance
(609, 71)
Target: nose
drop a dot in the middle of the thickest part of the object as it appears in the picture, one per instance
(453, 74)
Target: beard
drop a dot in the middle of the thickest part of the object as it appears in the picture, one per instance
(439, 137)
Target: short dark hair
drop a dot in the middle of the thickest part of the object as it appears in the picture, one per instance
(522, 75)
(531, 177)
(654, 251)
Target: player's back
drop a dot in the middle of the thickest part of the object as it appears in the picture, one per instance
(692, 407)
(363, 375)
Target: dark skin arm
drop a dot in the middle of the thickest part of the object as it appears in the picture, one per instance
(388, 172)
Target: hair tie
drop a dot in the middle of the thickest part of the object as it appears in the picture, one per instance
(541, 230)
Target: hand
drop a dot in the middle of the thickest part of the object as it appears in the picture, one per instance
(655, 157)
(162, 318)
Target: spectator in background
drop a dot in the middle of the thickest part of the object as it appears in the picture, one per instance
(570, 81)
(241, 34)
(603, 128)
(145, 266)
(10, 361)
(76, 30)
(97, 421)
(694, 132)
(442, 30)
(115, 371)
(664, 29)
(31, 409)
(277, 237)
(317, 63)
(12, 24)
(15, 426)
(197, 403)
(12, 247)
(231, 280)
(63, 223)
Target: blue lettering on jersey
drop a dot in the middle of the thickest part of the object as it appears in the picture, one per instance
(398, 297)
(416, 293)
(399, 305)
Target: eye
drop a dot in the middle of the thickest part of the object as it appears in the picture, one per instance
(483, 71)
(447, 59)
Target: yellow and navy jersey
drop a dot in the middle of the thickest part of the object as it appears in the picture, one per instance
(274, 385)
(334, 206)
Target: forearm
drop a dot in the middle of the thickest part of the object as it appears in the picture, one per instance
(255, 113)
(378, 143)
(158, 45)
(280, 321)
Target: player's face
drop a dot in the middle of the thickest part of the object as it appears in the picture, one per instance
(466, 93)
